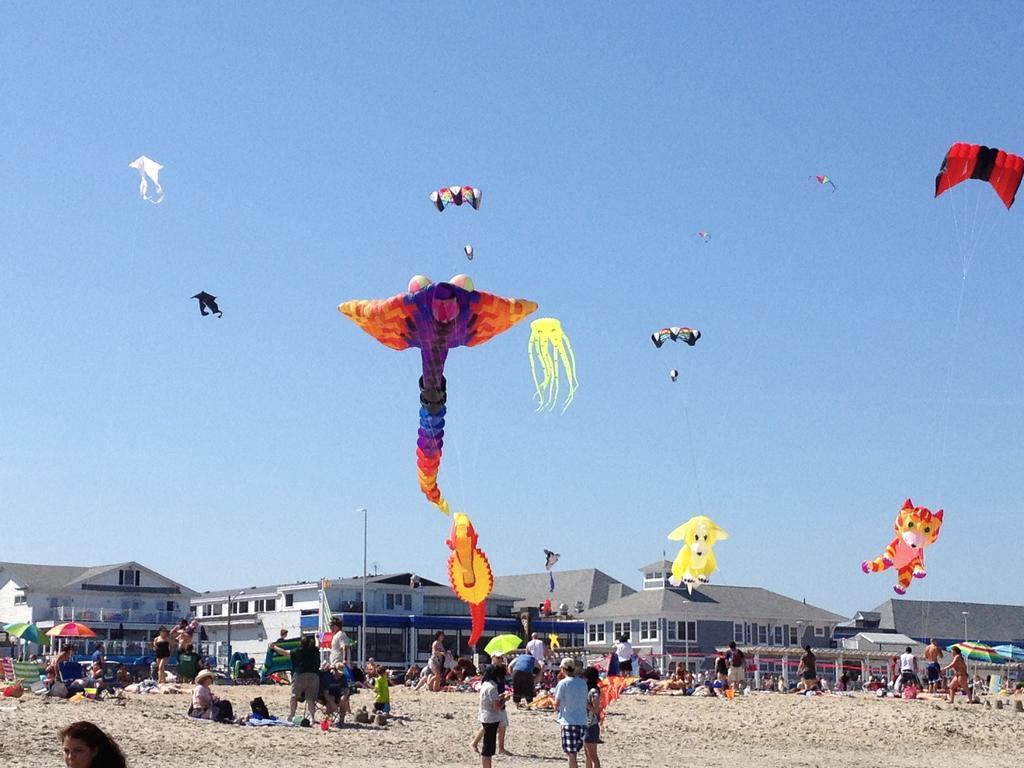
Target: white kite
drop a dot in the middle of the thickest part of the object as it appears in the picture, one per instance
(150, 168)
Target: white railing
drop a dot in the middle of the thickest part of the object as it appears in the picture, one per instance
(86, 615)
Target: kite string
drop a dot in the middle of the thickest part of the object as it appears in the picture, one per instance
(948, 399)
(693, 456)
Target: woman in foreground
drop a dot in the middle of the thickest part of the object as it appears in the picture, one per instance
(86, 746)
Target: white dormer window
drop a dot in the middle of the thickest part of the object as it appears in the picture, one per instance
(128, 577)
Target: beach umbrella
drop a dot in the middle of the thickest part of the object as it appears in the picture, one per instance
(71, 629)
(501, 644)
(24, 631)
(979, 652)
(1011, 652)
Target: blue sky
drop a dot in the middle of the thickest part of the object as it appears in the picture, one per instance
(299, 147)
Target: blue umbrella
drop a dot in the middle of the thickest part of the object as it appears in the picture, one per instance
(23, 630)
(1012, 652)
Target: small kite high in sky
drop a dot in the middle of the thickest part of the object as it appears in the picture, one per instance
(550, 558)
(469, 252)
(148, 170)
(705, 236)
(207, 302)
(971, 161)
(547, 345)
(446, 196)
(916, 528)
(676, 333)
(673, 374)
(435, 317)
(823, 180)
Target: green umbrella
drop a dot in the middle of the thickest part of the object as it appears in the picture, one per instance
(979, 652)
(501, 644)
(25, 631)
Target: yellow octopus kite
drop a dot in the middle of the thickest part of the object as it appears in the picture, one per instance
(544, 332)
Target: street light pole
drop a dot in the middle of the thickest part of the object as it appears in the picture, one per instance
(362, 639)
(966, 614)
(229, 632)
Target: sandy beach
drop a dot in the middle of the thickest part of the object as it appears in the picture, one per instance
(434, 729)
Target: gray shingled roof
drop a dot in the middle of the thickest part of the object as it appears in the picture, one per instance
(60, 578)
(658, 565)
(715, 602)
(588, 585)
(987, 622)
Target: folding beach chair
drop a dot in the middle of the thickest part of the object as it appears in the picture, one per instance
(70, 671)
(28, 672)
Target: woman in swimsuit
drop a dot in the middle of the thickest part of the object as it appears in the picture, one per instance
(162, 646)
(959, 669)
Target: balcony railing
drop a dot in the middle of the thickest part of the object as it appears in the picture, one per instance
(114, 615)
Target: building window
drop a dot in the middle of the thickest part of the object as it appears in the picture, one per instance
(218, 609)
(128, 577)
(762, 634)
(595, 633)
(207, 610)
(737, 631)
(670, 630)
(691, 630)
(393, 600)
(819, 631)
(265, 605)
(242, 606)
(793, 638)
(649, 630)
(289, 600)
(777, 639)
(619, 628)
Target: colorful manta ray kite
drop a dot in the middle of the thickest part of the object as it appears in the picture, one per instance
(446, 196)
(916, 528)
(547, 345)
(469, 573)
(148, 168)
(675, 333)
(435, 317)
(823, 180)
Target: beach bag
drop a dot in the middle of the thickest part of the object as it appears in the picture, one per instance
(259, 707)
(223, 712)
(59, 690)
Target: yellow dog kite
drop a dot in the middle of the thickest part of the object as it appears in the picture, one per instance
(696, 559)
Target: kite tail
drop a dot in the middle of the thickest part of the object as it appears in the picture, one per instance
(430, 442)
(478, 614)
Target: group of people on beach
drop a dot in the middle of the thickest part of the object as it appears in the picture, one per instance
(576, 698)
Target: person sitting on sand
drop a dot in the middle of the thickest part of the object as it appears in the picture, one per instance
(334, 692)
(53, 669)
(412, 674)
(203, 698)
(959, 668)
(808, 670)
(677, 682)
